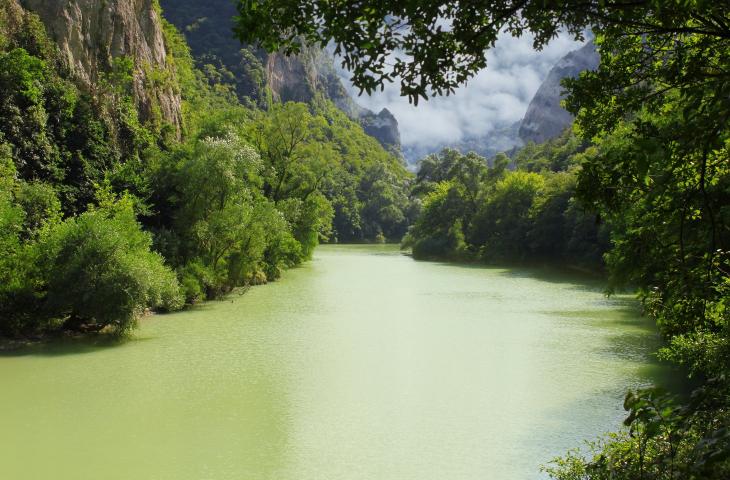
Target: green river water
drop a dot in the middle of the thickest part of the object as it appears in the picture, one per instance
(361, 365)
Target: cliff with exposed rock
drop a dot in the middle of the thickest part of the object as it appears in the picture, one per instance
(545, 118)
(90, 34)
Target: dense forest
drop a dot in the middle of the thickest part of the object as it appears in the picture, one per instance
(522, 209)
(650, 163)
(105, 212)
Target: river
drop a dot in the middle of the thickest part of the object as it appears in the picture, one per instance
(360, 365)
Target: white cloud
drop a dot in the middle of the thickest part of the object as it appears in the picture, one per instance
(496, 97)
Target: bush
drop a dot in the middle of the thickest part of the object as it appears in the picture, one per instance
(101, 271)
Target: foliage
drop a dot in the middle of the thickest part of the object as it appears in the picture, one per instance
(217, 54)
(100, 271)
(243, 195)
(657, 111)
(254, 192)
(12, 267)
(439, 230)
(664, 440)
(432, 47)
(473, 211)
(323, 151)
(92, 271)
(222, 221)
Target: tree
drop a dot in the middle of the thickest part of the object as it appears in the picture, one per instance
(100, 271)
(384, 203)
(439, 229)
(503, 221)
(434, 46)
(13, 271)
(219, 212)
(285, 136)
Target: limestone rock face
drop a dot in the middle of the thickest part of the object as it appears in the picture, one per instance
(383, 127)
(299, 78)
(91, 33)
(545, 118)
(289, 78)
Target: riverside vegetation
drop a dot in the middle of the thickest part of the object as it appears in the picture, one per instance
(651, 163)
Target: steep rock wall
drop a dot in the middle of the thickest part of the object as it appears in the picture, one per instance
(545, 118)
(92, 33)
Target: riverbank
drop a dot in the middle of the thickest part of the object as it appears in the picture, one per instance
(549, 269)
(596, 271)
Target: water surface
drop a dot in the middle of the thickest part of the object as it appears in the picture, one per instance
(362, 364)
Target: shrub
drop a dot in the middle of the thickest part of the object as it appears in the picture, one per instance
(101, 271)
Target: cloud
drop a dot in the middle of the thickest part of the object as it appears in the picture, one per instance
(495, 98)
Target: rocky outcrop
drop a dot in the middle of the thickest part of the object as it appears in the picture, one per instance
(289, 79)
(545, 118)
(383, 127)
(300, 78)
(92, 33)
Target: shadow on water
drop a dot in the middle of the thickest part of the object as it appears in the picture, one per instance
(650, 372)
(636, 340)
(639, 344)
(62, 345)
(556, 274)
(625, 312)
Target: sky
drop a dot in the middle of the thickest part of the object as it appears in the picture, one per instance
(496, 97)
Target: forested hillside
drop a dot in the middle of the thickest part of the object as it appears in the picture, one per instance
(110, 204)
(259, 77)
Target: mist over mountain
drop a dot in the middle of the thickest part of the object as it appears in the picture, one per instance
(485, 116)
(515, 100)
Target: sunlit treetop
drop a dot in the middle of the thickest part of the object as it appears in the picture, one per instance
(431, 47)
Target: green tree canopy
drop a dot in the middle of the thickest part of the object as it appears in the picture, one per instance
(434, 46)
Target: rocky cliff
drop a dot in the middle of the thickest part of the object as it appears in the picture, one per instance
(545, 118)
(92, 33)
(383, 127)
(300, 78)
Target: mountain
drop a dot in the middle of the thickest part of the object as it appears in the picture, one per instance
(545, 118)
(91, 34)
(382, 126)
(503, 139)
(256, 75)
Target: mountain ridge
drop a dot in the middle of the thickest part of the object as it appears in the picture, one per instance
(261, 77)
(545, 118)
